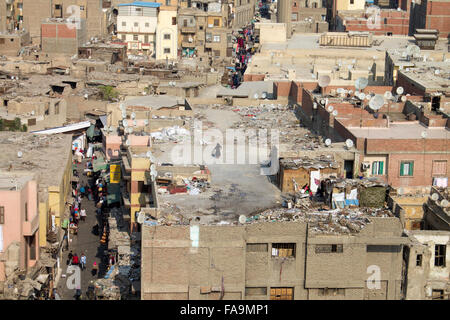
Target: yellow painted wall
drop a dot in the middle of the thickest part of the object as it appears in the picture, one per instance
(211, 22)
(43, 220)
(346, 5)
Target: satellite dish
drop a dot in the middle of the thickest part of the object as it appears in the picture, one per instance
(315, 105)
(322, 102)
(125, 123)
(340, 90)
(133, 115)
(376, 102)
(399, 90)
(349, 143)
(19, 154)
(403, 98)
(444, 203)
(413, 50)
(242, 219)
(146, 122)
(349, 67)
(148, 154)
(324, 81)
(434, 196)
(127, 142)
(330, 108)
(388, 95)
(124, 114)
(256, 96)
(361, 83)
(141, 217)
(328, 142)
(335, 113)
(264, 95)
(424, 134)
(130, 129)
(368, 97)
(122, 107)
(134, 123)
(361, 96)
(350, 91)
(32, 112)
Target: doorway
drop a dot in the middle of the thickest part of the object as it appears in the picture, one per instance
(348, 168)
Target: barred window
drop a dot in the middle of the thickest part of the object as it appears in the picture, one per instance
(283, 249)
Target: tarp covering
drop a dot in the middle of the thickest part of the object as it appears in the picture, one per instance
(99, 164)
(90, 131)
(113, 193)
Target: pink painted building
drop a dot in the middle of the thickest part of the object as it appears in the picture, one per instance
(112, 143)
(19, 221)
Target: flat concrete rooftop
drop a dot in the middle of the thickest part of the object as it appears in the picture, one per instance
(407, 130)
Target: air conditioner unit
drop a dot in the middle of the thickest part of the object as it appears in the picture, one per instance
(365, 166)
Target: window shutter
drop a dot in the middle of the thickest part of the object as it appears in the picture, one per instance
(374, 170)
(411, 168)
(401, 168)
(380, 167)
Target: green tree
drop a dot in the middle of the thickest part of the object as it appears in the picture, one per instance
(108, 93)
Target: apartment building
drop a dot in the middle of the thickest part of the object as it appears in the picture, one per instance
(273, 260)
(136, 26)
(204, 33)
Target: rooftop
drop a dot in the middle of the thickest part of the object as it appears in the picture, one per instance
(408, 130)
(141, 4)
(46, 155)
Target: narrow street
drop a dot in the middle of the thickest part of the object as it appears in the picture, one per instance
(87, 243)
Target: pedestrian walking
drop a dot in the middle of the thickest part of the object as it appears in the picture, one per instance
(56, 295)
(94, 268)
(83, 214)
(83, 261)
(69, 258)
(75, 260)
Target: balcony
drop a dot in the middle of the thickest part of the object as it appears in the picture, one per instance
(186, 44)
(30, 227)
(188, 29)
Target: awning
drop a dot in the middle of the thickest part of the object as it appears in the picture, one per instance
(113, 193)
(99, 164)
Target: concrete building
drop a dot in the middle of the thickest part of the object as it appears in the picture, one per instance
(167, 35)
(11, 16)
(427, 265)
(136, 26)
(302, 16)
(62, 37)
(11, 43)
(241, 13)
(19, 221)
(271, 260)
(204, 34)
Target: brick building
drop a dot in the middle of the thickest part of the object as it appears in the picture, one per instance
(428, 14)
(275, 260)
(62, 36)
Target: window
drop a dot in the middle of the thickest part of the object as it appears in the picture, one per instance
(2, 215)
(167, 36)
(439, 167)
(200, 27)
(406, 168)
(281, 293)
(352, 1)
(208, 37)
(57, 7)
(419, 260)
(32, 247)
(124, 37)
(295, 4)
(216, 22)
(166, 50)
(216, 39)
(257, 247)
(283, 249)
(167, 2)
(124, 24)
(146, 38)
(26, 211)
(377, 168)
(147, 25)
(82, 8)
(174, 21)
(329, 248)
(256, 291)
(439, 255)
(136, 24)
(135, 37)
(382, 248)
(331, 292)
(437, 294)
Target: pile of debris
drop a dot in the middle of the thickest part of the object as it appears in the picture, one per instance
(175, 133)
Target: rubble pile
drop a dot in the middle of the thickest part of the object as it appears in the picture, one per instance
(174, 133)
(307, 162)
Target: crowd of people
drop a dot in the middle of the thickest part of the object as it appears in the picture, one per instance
(243, 53)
